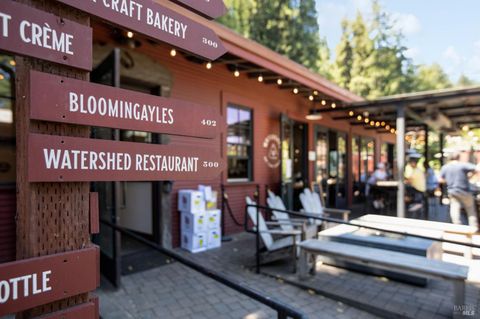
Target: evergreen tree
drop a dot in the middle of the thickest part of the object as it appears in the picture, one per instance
(238, 15)
(344, 58)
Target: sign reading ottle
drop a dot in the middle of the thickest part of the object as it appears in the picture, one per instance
(209, 8)
(72, 159)
(34, 33)
(156, 21)
(32, 282)
(84, 103)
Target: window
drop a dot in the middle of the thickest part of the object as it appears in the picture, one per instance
(239, 143)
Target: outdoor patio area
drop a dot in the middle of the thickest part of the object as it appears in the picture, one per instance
(174, 291)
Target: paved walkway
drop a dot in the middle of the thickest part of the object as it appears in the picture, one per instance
(175, 291)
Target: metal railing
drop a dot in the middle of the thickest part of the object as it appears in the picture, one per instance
(306, 215)
(283, 311)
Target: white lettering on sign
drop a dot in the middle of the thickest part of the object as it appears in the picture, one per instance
(39, 35)
(134, 10)
(32, 284)
(119, 109)
(110, 161)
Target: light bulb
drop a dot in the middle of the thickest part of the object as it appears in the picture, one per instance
(208, 65)
(310, 97)
(129, 34)
(236, 73)
(351, 113)
(295, 91)
(334, 105)
(173, 52)
(260, 78)
(279, 81)
(359, 117)
(324, 102)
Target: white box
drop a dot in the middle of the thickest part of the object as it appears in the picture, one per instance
(206, 190)
(212, 202)
(213, 218)
(190, 201)
(193, 222)
(194, 243)
(214, 238)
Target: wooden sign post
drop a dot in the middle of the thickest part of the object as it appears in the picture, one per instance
(31, 32)
(158, 22)
(85, 103)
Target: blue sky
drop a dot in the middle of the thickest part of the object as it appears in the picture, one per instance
(442, 31)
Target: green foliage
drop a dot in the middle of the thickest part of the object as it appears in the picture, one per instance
(431, 77)
(464, 81)
(344, 58)
(238, 15)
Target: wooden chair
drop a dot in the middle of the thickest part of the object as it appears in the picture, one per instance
(282, 246)
(312, 203)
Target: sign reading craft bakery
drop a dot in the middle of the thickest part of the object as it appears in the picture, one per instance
(31, 32)
(84, 103)
(209, 8)
(33, 282)
(155, 21)
(72, 159)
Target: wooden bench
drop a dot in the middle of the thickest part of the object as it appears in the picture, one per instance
(384, 259)
(410, 225)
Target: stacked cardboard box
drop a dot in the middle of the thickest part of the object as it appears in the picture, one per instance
(200, 219)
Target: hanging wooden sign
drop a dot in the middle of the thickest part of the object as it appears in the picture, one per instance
(29, 283)
(156, 21)
(84, 103)
(34, 33)
(209, 8)
(72, 159)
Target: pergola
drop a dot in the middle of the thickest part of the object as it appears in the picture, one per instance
(443, 111)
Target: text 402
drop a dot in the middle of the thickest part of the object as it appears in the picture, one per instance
(209, 123)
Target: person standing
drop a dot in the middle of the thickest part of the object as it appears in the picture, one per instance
(456, 174)
(416, 183)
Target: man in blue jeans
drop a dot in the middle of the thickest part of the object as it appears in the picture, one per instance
(455, 174)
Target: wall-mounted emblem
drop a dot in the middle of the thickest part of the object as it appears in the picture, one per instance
(272, 145)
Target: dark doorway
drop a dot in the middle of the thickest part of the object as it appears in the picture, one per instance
(131, 205)
(294, 168)
(331, 165)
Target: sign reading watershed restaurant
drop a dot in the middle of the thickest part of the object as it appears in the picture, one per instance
(210, 8)
(33, 282)
(79, 102)
(156, 21)
(31, 32)
(72, 159)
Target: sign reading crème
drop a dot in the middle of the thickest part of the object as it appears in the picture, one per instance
(156, 21)
(72, 159)
(31, 32)
(32, 282)
(84, 103)
(210, 8)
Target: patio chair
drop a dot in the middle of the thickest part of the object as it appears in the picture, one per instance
(282, 246)
(312, 203)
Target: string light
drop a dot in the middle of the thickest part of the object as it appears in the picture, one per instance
(351, 113)
(310, 97)
(295, 91)
(392, 131)
(12, 62)
(387, 127)
(383, 123)
(359, 117)
(279, 81)
(334, 105)
(260, 78)
(173, 52)
(236, 73)
(208, 65)
(377, 124)
(367, 120)
(372, 123)
(315, 92)
(129, 34)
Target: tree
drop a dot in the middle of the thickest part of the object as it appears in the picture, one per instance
(238, 15)
(464, 81)
(431, 77)
(344, 58)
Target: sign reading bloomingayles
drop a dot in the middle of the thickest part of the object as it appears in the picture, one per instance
(34, 33)
(71, 159)
(84, 103)
(209, 8)
(29, 283)
(156, 21)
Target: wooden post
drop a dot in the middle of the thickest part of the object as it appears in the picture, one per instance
(51, 217)
(401, 160)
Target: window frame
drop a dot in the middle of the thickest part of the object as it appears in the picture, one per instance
(250, 151)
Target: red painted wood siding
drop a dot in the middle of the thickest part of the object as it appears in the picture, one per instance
(7, 224)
